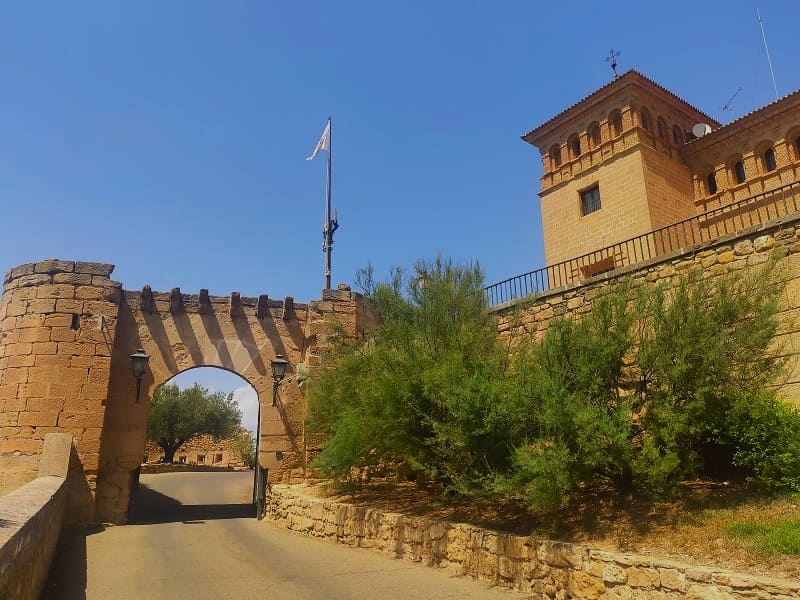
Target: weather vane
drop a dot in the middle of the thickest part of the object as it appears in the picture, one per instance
(612, 60)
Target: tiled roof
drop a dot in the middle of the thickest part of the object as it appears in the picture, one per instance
(627, 75)
(745, 116)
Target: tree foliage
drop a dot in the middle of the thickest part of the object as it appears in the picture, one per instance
(176, 415)
(244, 444)
(656, 383)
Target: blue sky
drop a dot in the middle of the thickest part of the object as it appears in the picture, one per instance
(169, 138)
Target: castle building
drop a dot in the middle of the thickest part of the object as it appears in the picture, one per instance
(632, 172)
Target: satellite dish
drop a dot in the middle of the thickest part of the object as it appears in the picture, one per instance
(701, 129)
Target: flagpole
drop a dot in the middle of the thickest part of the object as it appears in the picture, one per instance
(328, 229)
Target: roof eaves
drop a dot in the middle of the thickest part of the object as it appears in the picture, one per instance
(630, 74)
(739, 120)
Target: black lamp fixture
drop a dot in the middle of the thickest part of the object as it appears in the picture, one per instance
(279, 365)
(139, 360)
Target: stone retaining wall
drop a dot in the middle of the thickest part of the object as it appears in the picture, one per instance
(542, 568)
(748, 249)
(30, 523)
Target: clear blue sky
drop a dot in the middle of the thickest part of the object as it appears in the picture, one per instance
(169, 138)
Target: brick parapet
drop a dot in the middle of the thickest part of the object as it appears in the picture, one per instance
(543, 568)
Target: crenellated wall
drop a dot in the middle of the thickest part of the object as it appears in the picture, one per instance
(67, 331)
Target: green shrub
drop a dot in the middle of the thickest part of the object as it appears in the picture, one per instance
(653, 385)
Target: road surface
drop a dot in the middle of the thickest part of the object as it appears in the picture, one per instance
(194, 537)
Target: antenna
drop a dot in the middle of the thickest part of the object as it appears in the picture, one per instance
(769, 60)
(729, 104)
(612, 60)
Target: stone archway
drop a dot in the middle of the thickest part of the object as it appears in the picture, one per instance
(66, 333)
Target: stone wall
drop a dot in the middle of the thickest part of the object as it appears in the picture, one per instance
(198, 450)
(749, 249)
(30, 523)
(542, 568)
(57, 330)
(67, 331)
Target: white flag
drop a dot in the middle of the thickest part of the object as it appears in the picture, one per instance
(324, 142)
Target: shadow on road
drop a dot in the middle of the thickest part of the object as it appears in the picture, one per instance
(67, 578)
(150, 506)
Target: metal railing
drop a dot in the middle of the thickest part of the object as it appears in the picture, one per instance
(705, 227)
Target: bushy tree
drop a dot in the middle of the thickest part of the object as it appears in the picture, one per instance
(657, 383)
(654, 384)
(418, 395)
(176, 415)
(245, 446)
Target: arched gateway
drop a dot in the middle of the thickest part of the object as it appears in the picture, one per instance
(66, 333)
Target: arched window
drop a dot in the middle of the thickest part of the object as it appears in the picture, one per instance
(711, 183)
(677, 135)
(647, 120)
(555, 156)
(738, 172)
(574, 146)
(770, 164)
(797, 147)
(594, 135)
(662, 129)
(616, 124)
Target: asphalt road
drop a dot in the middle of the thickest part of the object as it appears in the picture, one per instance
(194, 537)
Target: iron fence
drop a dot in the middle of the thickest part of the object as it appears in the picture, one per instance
(705, 227)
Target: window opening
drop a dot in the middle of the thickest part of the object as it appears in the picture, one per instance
(555, 156)
(662, 133)
(677, 135)
(590, 200)
(647, 121)
(594, 135)
(575, 146)
(711, 183)
(769, 160)
(616, 124)
(76, 322)
(738, 172)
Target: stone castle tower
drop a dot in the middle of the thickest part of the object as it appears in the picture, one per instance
(624, 162)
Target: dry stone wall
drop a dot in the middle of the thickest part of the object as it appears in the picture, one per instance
(545, 569)
(749, 249)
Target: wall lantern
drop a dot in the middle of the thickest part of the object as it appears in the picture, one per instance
(279, 365)
(139, 360)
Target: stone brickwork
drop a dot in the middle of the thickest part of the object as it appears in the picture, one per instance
(57, 330)
(31, 518)
(634, 140)
(746, 250)
(198, 450)
(66, 333)
(545, 569)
